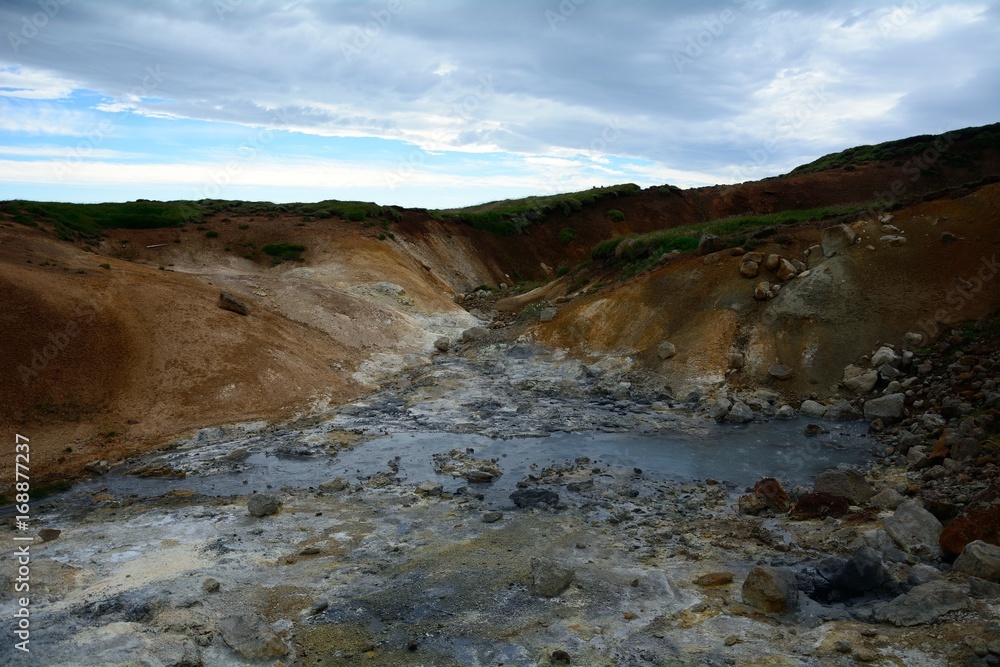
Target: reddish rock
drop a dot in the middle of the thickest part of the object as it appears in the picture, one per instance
(769, 490)
(980, 521)
(715, 579)
(819, 505)
(940, 452)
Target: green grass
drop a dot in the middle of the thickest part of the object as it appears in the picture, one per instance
(614, 215)
(42, 490)
(285, 252)
(566, 235)
(90, 220)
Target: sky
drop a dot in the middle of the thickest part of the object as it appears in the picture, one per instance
(442, 103)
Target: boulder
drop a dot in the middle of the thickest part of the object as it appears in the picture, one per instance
(549, 578)
(750, 505)
(474, 334)
(666, 350)
(251, 636)
(771, 492)
(335, 485)
(841, 410)
(819, 505)
(771, 589)
(229, 302)
(785, 412)
(837, 238)
(846, 482)
(740, 413)
(860, 380)
(263, 504)
(889, 499)
(786, 270)
(886, 408)
(979, 559)
(923, 604)
(97, 467)
(442, 344)
(914, 339)
(885, 355)
(864, 571)
(915, 530)
(812, 409)
(528, 498)
(737, 360)
(762, 292)
(979, 521)
(749, 269)
(772, 262)
(429, 489)
(548, 315)
(719, 408)
(780, 371)
(709, 243)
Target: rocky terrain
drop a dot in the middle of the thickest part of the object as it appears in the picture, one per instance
(430, 444)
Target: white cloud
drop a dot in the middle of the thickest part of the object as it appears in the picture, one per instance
(34, 84)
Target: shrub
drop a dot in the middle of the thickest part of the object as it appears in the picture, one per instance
(614, 215)
(566, 235)
(211, 235)
(285, 252)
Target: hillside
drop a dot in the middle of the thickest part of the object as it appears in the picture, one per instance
(115, 342)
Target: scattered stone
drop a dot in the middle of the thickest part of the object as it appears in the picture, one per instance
(860, 380)
(714, 579)
(846, 482)
(923, 604)
(719, 408)
(915, 530)
(666, 350)
(762, 292)
(771, 492)
(837, 238)
(251, 636)
(548, 314)
(893, 240)
(478, 476)
(948, 237)
(786, 270)
(979, 559)
(814, 430)
(819, 505)
(211, 585)
(979, 521)
(474, 334)
(780, 372)
(884, 355)
(528, 498)
(740, 413)
(751, 505)
(886, 408)
(263, 504)
(97, 467)
(750, 264)
(442, 344)
(709, 243)
(771, 589)
(812, 408)
(842, 646)
(863, 572)
(49, 534)
(732, 640)
(335, 485)
(492, 517)
(888, 499)
(549, 578)
(429, 489)
(913, 338)
(785, 412)
(841, 410)
(229, 302)
(559, 657)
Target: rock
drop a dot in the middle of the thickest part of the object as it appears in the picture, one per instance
(429, 489)
(885, 355)
(442, 344)
(560, 657)
(980, 588)
(749, 269)
(772, 262)
(335, 485)
(771, 492)
(923, 604)
(666, 350)
(915, 530)
(786, 270)
(737, 360)
(814, 430)
(709, 243)
(979, 559)
(478, 476)
(841, 410)
(751, 505)
(819, 505)
(771, 589)
(549, 578)
(528, 498)
(889, 499)
(474, 334)
(97, 467)
(762, 292)
(780, 372)
(846, 482)
(548, 314)
(491, 517)
(166, 650)
(864, 571)
(229, 302)
(837, 238)
(812, 409)
(893, 240)
(740, 413)
(785, 412)
(860, 380)
(886, 408)
(49, 534)
(979, 521)
(719, 408)
(948, 237)
(211, 585)
(914, 339)
(251, 636)
(966, 448)
(263, 504)
(714, 579)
